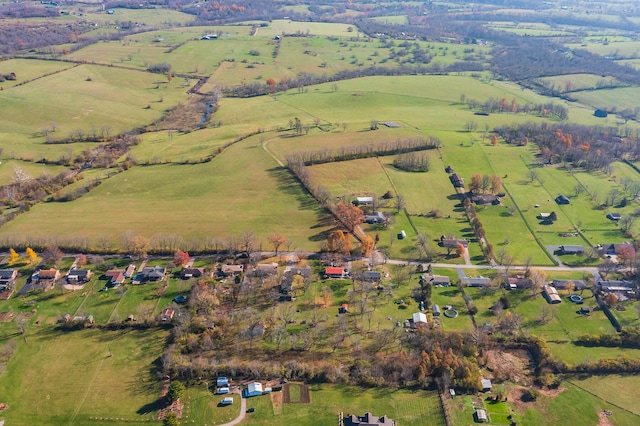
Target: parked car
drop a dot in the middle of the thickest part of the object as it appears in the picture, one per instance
(251, 410)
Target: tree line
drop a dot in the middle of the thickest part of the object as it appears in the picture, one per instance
(348, 153)
(496, 105)
(582, 146)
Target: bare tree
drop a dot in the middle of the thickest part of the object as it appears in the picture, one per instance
(249, 242)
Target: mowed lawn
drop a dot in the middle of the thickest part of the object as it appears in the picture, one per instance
(56, 379)
(241, 189)
(407, 408)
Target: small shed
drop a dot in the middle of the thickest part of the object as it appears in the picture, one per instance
(364, 200)
(481, 416)
(436, 310)
(561, 199)
(486, 385)
(343, 309)
(402, 235)
(419, 318)
(551, 294)
(222, 381)
(614, 216)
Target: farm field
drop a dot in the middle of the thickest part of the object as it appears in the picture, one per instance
(144, 191)
(87, 98)
(106, 375)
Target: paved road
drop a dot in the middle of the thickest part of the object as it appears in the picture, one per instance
(590, 270)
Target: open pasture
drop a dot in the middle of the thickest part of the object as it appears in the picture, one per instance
(277, 27)
(573, 82)
(222, 198)
(8, 169)
(28, 69)
(152, 17)
(168, 146)
(198, 57)
(616, 49)
(87, 374)
(87, 98)
(621, 98)
(621, 390)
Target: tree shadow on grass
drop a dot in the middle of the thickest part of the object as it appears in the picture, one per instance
(151, 407)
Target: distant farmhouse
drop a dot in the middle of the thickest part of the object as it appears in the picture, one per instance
(153, 273)
(44, 279)
(456, 180)
(115, 277)
(335, 272)
(482, 199)
(571, 249)
(478, 281)
(8, 279)
(436, 280)
(79, 276)
(186, 273)
(376, 217)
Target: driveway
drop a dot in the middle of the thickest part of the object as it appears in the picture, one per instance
(243, 410)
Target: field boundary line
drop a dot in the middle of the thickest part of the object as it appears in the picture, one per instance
(93, 379)
(271, 154)
(515, 203)
(116, 306)
(85, 298)
(393, 185)
(602, 399)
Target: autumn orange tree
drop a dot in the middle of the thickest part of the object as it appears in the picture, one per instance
(276, 241)
(476, 183)
(350, 216)
(81, 260)
(367, 245)
(339, 242)
(496, 183)
(180, 258)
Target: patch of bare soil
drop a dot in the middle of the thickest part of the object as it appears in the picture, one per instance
(175, 407)
(276, 402)
(510, 365)
(286, 396)
(516, 396)
(6, 316)
(552, 392)
(305, 394)
(603, 418)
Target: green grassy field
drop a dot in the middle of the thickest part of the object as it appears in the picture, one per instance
(187, 197)
(105, 375)
(403, 406)
(85, 97)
